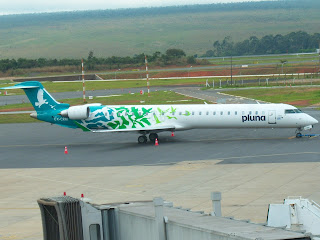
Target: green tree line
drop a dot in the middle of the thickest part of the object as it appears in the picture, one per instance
(294, 42)
(172, 56)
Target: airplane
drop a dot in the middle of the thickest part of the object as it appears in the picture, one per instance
(152, 119)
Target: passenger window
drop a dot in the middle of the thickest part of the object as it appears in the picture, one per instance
(192, 113)
(263, 112)
(250, 113)
(207, 113)
(235, 113)
(221, 113)
(229, 113)
(257, 112)
(162, 113)
(180, 113)
(199, 113)
(243, 113)
(214, 113)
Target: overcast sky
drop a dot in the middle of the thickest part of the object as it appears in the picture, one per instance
(31, 6)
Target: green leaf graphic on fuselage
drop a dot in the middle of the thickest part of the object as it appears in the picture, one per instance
(187, 113)
(157, 119)
(173, 110)
(172, 117)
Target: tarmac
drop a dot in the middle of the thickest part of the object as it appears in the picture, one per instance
(250, 167)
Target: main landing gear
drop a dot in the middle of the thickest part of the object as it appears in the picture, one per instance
(144, 139)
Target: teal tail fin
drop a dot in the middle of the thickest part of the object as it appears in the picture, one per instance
(40, 99)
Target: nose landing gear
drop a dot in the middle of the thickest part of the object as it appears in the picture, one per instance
(298, 133)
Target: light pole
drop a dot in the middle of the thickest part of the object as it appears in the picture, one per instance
(115, 73)
(283, 62)
(231, 70)
(189, 71)
(319, 61)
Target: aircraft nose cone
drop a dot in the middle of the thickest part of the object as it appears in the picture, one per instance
(313, 121)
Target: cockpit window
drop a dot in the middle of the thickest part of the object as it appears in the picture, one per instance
(289, 111)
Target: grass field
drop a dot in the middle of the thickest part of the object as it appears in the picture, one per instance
(194, 32)
(299, 97)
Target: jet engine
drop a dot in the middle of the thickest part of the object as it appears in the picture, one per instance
(76, 112)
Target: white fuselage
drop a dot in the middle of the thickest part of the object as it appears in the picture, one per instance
(182, 117)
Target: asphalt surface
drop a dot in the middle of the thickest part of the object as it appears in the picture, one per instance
(41, 145)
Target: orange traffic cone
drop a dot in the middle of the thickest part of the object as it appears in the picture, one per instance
(156, 143)
(65, 150)
(172, 134)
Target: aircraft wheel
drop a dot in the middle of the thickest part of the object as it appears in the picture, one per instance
(153, 136)
(142, 139)
(299, 135)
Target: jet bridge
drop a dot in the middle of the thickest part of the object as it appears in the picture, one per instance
(67, 218)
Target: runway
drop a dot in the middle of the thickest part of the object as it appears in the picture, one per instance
(250, 167)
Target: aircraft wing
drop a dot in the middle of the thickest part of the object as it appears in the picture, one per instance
(160, 128)
(148, 129)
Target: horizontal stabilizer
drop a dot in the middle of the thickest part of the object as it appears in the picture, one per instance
(24, 85)
(18, 87)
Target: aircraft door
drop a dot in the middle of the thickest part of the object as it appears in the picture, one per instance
(272, 117)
